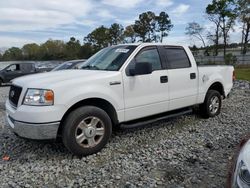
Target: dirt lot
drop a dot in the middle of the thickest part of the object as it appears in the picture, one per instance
(181, 152)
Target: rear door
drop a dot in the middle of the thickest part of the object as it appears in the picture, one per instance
(27, 68)
(183, 81)
(146, 95)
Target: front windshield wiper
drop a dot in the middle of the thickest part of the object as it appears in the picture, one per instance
(91, 67)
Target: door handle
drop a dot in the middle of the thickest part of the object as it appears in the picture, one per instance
(164, 79)
(192, 76)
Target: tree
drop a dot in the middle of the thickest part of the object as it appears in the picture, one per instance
(72, 48)
(214, 39)
(99, 38)
(163, 25)
(86, 51)
(145, 27)
(13, 54)
(52, 50)
(30, 51)
(221, 12)
(243, 9)
(129, 34)
(116, 33)
(194, 29)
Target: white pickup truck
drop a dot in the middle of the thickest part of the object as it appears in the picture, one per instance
(119, 85)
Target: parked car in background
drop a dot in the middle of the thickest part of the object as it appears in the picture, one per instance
(16, 70)
(123, 85)
(239, 177)
(74, 64)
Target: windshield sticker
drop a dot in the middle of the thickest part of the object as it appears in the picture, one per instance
(121, 50)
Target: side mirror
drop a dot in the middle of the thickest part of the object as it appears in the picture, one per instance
(140, 68)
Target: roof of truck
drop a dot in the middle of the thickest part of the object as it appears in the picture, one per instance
(149, 44)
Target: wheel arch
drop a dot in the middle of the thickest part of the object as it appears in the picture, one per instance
(97, 102)
(217, 86)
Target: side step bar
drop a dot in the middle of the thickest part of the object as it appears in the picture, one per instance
(143, 121)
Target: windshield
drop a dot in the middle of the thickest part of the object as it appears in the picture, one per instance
(3, 65)
(110, 58)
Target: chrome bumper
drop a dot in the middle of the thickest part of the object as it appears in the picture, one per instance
(37, 131)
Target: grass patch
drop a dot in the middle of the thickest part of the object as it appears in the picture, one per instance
(242, 73)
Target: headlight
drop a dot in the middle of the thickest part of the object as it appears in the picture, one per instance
(39, 97)
(244, 174)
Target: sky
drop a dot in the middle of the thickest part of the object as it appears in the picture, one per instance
(28, 21)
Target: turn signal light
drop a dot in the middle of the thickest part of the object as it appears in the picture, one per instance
(49, 95)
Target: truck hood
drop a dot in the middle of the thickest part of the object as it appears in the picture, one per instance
(65, 77)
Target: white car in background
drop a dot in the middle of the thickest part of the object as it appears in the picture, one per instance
(240, 177)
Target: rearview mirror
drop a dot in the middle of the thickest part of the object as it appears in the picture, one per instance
(140, 68)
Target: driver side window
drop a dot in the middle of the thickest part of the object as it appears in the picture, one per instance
(13, 68)
(149, 55)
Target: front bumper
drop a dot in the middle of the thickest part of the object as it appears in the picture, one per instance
(39, 123)
(44, 131)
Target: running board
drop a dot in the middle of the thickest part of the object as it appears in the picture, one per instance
(138, 123)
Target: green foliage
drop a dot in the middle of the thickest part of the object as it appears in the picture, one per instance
(13, 54)
(145, 27)
(72, 49)
(243, 10)
(116, 33)
(242, 73)
(150, 27)
(223, 14)
(99, 38)
(230, 59)
(52, 50)
(164, 25)
(30, 51)
(86, 51)
(129, 34)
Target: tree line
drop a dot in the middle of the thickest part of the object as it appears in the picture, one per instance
(223, 14)
(149, 27)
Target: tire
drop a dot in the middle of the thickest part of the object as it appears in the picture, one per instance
(1, 82)
(86, 130)
(212, 104)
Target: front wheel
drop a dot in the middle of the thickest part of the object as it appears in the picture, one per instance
(86, 130)
(212, 104)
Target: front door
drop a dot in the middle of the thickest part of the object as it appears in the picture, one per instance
(13, 71)
(146, 94)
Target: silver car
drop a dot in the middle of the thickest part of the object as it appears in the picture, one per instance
(240, 175)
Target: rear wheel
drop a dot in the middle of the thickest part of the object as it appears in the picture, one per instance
(86, 130)
(212, 104)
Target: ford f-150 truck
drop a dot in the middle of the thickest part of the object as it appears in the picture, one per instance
(119, 85)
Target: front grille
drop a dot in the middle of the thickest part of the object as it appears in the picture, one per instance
(14, 94)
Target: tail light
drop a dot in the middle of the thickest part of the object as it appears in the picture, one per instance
(234, 76)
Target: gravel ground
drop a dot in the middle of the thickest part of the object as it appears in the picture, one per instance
(181, 152)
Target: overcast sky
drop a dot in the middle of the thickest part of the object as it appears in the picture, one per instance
(26, 21)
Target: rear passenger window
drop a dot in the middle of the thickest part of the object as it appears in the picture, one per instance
(177, 58)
